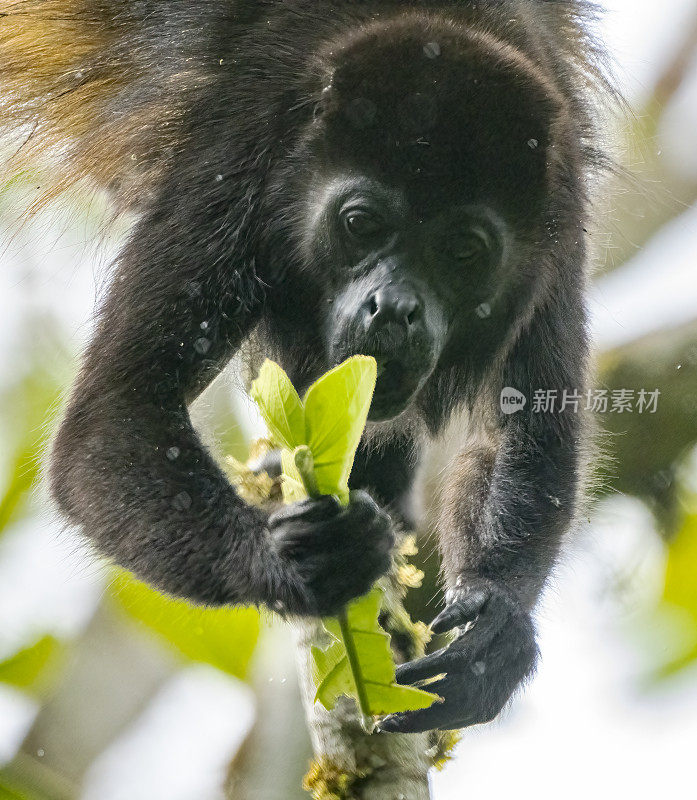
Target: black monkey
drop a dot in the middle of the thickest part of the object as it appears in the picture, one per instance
(399, 178)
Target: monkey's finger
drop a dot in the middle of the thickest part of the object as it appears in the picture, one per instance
(306, 511)
(362, 502)
(460, 612)
(426, 667)
(428, 719)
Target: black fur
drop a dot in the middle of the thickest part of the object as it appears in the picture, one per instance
(488, 130)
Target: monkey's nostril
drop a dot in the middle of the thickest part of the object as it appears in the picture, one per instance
(411, 317)
(373, 306)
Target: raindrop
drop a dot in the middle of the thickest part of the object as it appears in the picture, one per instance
(432, 50)
(218, 178)
(41, 752)
(478, 668)
(204, 325)
(679, 366)
(182, 502)
(484, 311)
(173, 453)
(555, 501)
(202, 346)
(533, 144)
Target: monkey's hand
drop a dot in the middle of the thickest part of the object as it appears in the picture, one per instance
(329, 554)
(495, 651)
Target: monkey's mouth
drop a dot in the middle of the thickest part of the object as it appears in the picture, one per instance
(395, 388)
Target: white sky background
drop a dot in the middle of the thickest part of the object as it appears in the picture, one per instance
(584, 727)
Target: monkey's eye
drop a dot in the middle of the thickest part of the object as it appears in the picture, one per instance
(362, 224)
(471, 246)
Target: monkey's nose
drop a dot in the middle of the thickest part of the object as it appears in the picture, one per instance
(398, 304)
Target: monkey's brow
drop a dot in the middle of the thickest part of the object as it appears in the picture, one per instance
(342, 187)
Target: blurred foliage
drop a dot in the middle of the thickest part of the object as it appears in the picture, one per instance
(224, 638)
(33, 668)
(678, 608)
(9, 793)
(27, 409)
(645, 449)
(650, 190)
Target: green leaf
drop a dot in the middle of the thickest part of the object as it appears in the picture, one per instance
(31, 668)
(359, 663)
(293, 486)
(223, 637)
(319, 438)
(336, 410)
(280, 406)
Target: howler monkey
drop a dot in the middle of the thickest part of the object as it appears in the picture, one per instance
(390, 177)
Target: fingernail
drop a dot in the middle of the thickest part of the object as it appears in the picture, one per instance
(389, 725)
(445, 621)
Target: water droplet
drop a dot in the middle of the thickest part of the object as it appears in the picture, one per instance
(484, 311)
(41, 752)
(182, 502)
(679, 366)
(555, 501)
(533, 144)
(432, 50)
(202, 346)
(204, 326)
(478, 668)
(173, 453)
(218, 178)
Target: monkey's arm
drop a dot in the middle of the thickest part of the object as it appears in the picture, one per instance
(501, 530)
(127, 465)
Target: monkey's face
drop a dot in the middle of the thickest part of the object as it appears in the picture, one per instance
(428, 182)
(396, 282)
